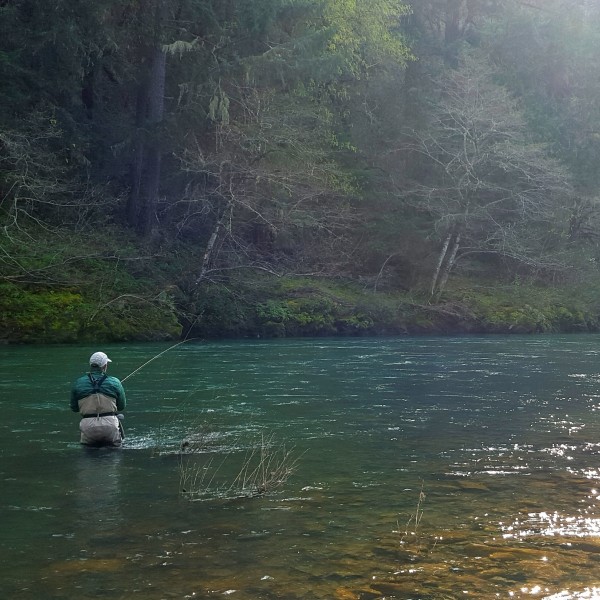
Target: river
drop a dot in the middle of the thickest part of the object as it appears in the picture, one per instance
(408, 468)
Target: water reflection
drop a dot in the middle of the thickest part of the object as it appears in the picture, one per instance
(556, 524)
(98, 495)
(586, 594)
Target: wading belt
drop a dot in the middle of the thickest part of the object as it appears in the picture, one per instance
(106, 414)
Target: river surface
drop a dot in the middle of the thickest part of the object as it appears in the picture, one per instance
(396, 468)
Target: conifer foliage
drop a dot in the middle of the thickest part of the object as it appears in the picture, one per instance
(392, 142)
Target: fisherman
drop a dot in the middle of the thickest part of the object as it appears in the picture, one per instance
(98, 397)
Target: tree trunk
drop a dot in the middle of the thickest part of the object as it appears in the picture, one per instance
(151, 174)
(137, 165)
(147, 153)
(449, 264)
(208, 258)
(452, 28)
(440, 262)
(452, 31)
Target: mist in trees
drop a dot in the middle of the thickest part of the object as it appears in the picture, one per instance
(392, 143)
(490, 189)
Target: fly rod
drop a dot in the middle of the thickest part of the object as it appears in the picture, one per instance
(155, 357)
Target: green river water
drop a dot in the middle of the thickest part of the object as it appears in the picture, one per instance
(424, 468)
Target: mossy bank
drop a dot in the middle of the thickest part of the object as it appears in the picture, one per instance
(268, 307)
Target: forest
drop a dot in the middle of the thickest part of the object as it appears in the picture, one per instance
(267, 168)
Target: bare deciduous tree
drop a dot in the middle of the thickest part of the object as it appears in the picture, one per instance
(489, 188)
(268, 185)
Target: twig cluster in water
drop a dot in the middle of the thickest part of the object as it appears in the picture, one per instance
(411, 533)
(265, 467)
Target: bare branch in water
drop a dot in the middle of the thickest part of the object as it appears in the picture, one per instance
(265, 467)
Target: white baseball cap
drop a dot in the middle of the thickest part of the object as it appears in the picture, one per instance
(100, 359)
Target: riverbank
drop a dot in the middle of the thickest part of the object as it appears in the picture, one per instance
(297, 308)
(270, 307)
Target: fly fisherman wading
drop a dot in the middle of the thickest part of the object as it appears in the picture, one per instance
(98, 397)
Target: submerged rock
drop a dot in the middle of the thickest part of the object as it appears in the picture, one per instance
(97, 565)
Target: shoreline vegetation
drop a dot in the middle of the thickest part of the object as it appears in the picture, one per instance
(278, 169)
(263, 306)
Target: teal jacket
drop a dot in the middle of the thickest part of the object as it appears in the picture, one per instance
(111, 386)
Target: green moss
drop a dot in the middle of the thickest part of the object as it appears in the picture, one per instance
(120, 296)
(44, 316)
(96, 286)
(529, 309)
(57, 316)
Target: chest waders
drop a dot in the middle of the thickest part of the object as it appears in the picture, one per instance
(98, 405)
